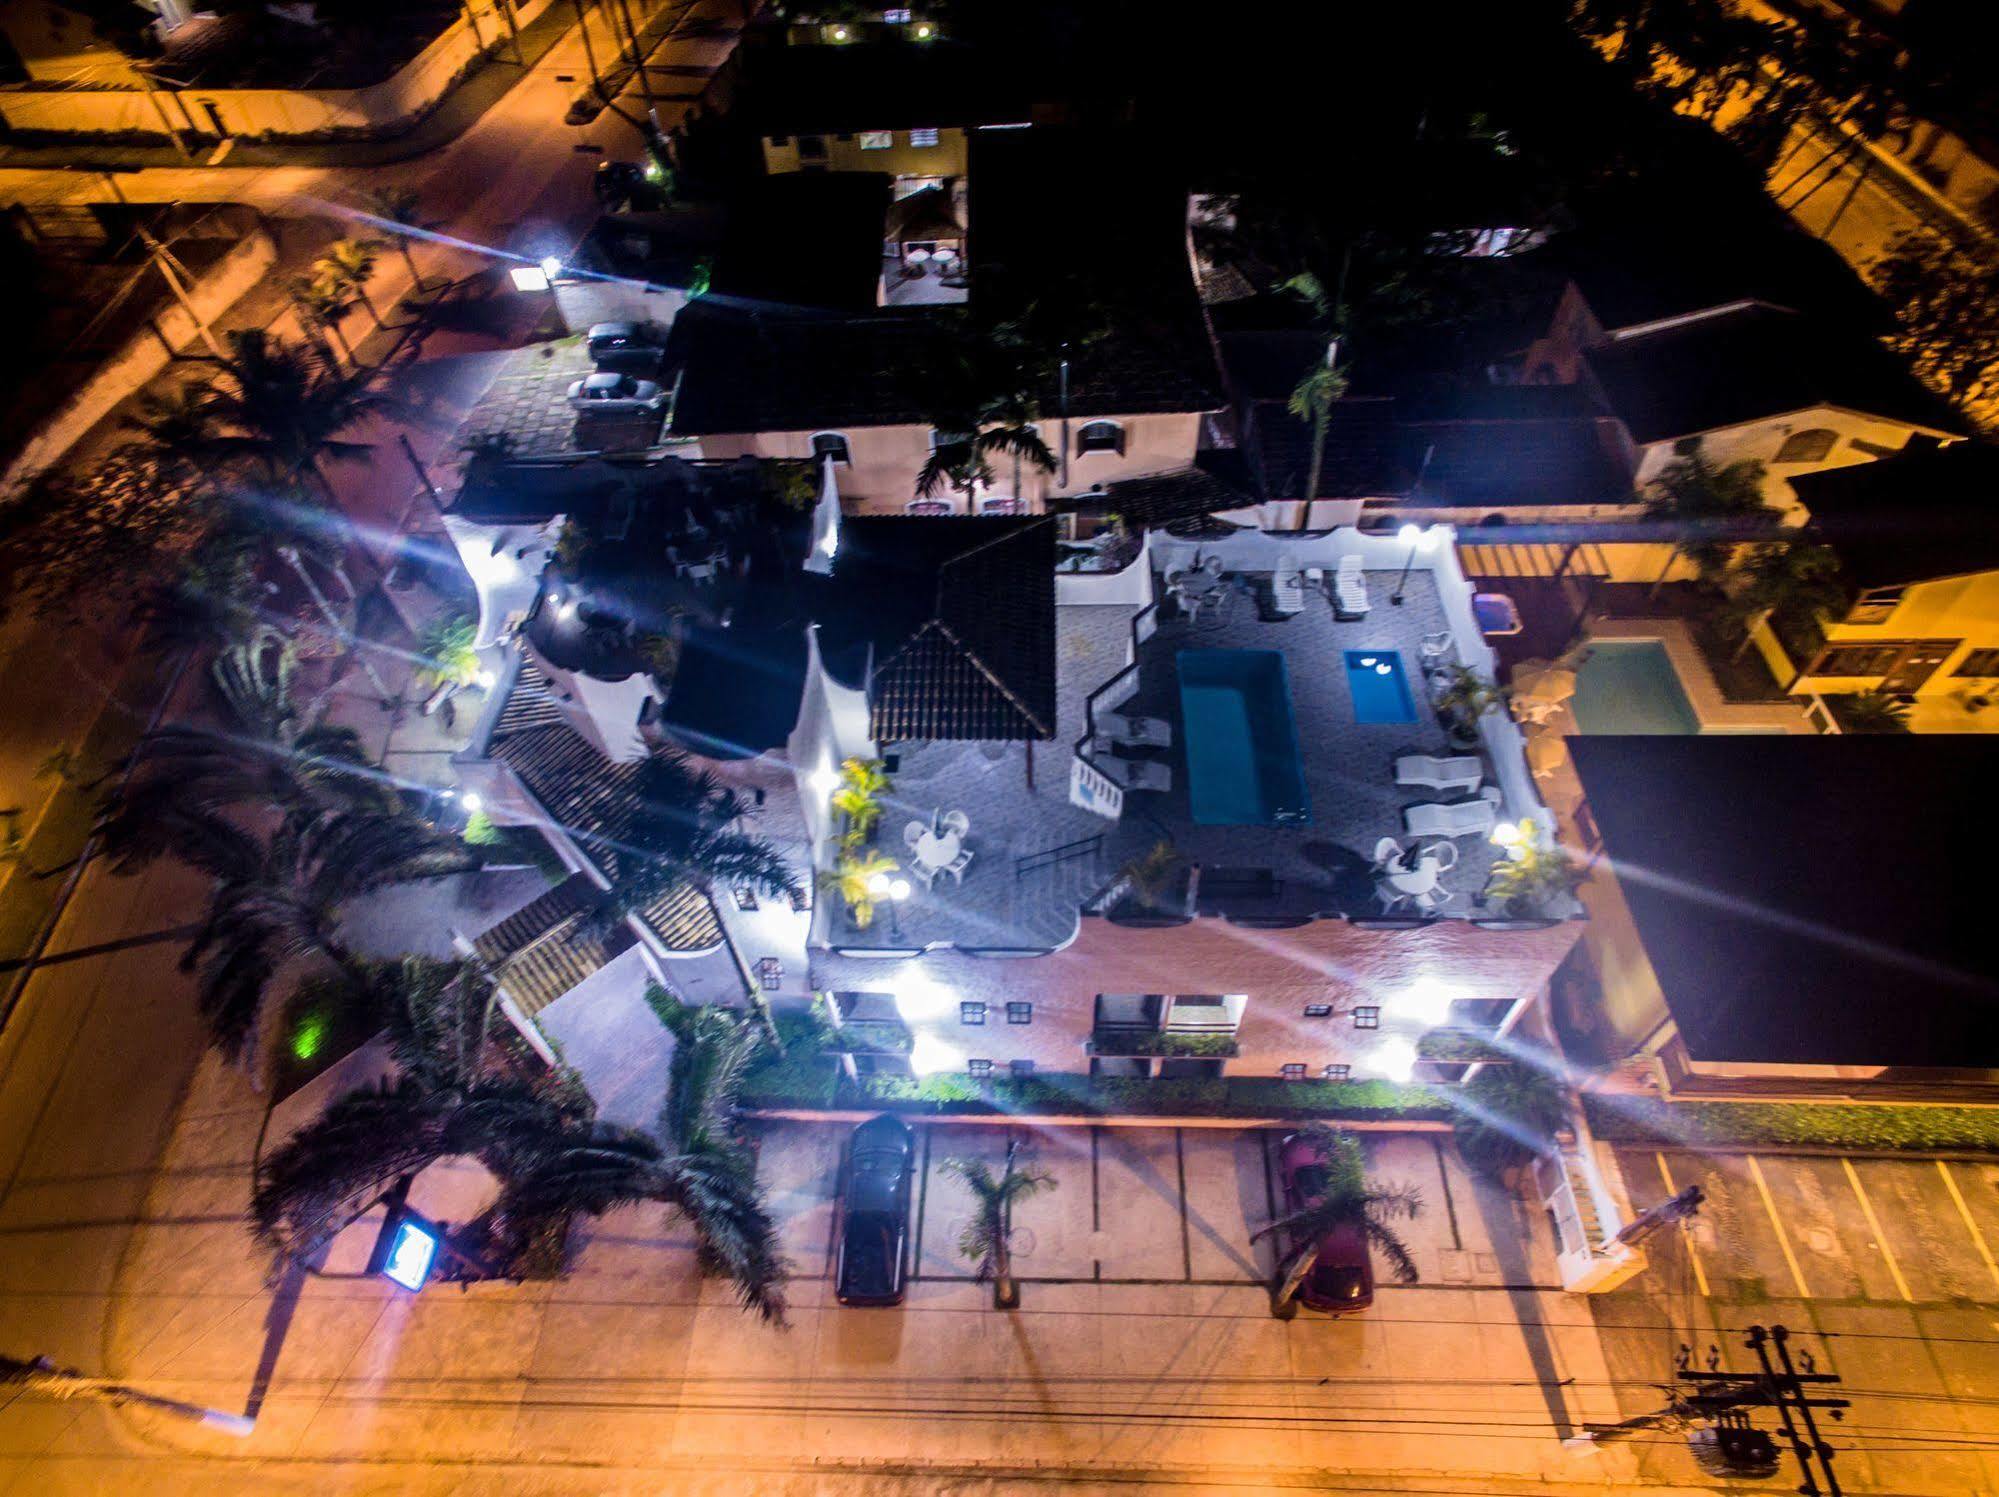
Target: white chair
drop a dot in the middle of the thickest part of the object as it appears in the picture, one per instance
(1287, 587)
(1437, 647)
(1137, 774)
(923, 872)
(957, 866)
(913, 834)
(1446, 776)
(1138, 732)
(957, 822)
(1385, 851)
(1464, 819)
(1350, 589)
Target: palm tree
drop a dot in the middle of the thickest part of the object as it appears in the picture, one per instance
(324, 303)
(978, 390)
(174, 433)
(1789, 578)
(286, 408)
(1510, 1113)
(398, 213)
(681, 832)
(988, 1236)
(1317, 390)
(349, 264)
(1696, 499)
(1870, 712)
(855, 878)
(1351, 1200)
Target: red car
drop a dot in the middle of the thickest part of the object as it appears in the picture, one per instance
(1342, 1281)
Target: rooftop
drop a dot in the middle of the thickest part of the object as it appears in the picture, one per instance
(886, 86)
(1803, 899)
(1926, 513)
(1749, 365)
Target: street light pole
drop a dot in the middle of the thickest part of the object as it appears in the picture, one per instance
(1417, 537)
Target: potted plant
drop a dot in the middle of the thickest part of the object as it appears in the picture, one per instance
(862, 783)
(851, 878)
(1158, 882)
(1535, 880)
(1462, 695)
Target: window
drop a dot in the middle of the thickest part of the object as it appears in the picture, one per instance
(1100, 436)
(746, 897)
(1857, 660)
(1021, 1067)
(1979, 663)
(999, 506)
(831, 444)
(1292, 1070)
(877, 140)
(928, 507)
(896, 17)
(1874, 605)
(971, 1013)
(1020, 1013)
(1368, 1016)
(812, 147)
(1813, 445)
(920, 138)
(979, 1067)
(1337, 1072)
(770, 973)
(1318, 1010)
(843, 139)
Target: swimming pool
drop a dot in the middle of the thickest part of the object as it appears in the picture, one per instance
(1629, 686)
(1241, 739)
(1379, 689)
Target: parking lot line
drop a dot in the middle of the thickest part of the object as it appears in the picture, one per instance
(1978, 1237)
(1693, 1253)
(1783, 1237)
(1874, 1226)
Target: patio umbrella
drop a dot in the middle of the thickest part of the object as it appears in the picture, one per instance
(1546, 753)
(1540, 681)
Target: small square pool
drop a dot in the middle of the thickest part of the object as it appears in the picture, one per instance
(1630, 686)
(1379, 689)
(1242, 740)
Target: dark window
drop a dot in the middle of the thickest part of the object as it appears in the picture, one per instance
(979, 1067)
(812, 147)
(1810, 446)
(843, 137)
(831, 444)
(1292, 1071)
(1857, 660)
(1480, 1013)
(1979, 663)
(1318, 1010)
(971, 1013)
(1337, 1072)
(1875, 605)
(1021, 1067)
(1100, 436)
(770, 972)
(1367, 1016)
(1020, 1013)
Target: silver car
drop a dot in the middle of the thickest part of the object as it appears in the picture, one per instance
(616, 393)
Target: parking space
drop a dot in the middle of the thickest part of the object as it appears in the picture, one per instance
(1827, 1227)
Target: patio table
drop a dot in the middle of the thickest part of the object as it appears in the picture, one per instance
(934, 850)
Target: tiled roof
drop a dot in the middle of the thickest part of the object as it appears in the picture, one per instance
(1362, 456)
(1163, 498)
(528, 705)
(545, 969)
(535, 919)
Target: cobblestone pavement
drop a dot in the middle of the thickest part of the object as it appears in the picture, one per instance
(529, 400)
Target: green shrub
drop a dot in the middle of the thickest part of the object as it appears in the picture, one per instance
(1824, 1125)
(1099, 1096)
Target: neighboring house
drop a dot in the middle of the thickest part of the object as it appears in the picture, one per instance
(1787, 915)
(1918, 538)
(996, 689)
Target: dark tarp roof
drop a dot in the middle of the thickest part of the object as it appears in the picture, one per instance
(1926, 513)
(1809, 900)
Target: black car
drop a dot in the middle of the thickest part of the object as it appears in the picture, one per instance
(627, 347)
(875, 1224)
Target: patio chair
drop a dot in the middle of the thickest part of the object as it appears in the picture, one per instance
(957, 821)
(957, 866)
(1287, 587)
(1437, 647)
(1386, 850)
(1461, 819)
(1137, 774)
(1350, 599)
(1446, 776)
(923, 872)
(913, 834)
(1135, 732)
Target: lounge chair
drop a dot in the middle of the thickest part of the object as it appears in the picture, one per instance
(1287, 587)
(1463, 819)
(1446, 776)
(1137, 774)
(1135, 732)
(1350, 589)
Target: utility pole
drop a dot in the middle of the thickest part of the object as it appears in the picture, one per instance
(43, 1376)
(1786, 1391)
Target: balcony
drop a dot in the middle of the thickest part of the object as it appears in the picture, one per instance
(1118, 1041)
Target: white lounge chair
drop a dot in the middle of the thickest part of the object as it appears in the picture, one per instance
(1464, 819)
(1287, 587)
(1350, 589)
(1138, 732)
(1137, 774)
(1446, 776)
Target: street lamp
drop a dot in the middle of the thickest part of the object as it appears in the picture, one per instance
(1416, 538)
(895, 891)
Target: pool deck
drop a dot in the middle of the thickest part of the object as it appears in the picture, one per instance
(1320, 867)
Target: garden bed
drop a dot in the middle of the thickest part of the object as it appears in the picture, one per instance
(1858, 1127)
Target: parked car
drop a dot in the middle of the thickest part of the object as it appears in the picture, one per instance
(616, 392)
(626, 347)
(874, 1226)
(1342, 1280)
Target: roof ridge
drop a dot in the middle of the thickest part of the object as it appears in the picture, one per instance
(991, 675)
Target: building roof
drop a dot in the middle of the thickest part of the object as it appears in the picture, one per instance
(949, 623)
(1164, 498)
(819, 90)
(1363, 454)
(1802, 900)
(806, 239)
(1502, 461)
(1924, 514)
(1752, 364)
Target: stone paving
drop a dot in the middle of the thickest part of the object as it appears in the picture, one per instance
(529, 400)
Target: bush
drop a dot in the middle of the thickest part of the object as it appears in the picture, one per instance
(1887, 1128)
(1099, 1096)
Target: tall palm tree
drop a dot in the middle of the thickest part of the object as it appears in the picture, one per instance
(978, 389)
(1313, 397)
(399, 215)
(350, 264)
(1698, 498)
(1511, 1113)
(1792, 578)
(324, 303)
(174, 431)
(1351, 1200)
(682, 830)
(987, 1239)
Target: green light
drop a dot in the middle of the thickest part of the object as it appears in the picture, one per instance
(308, 1037)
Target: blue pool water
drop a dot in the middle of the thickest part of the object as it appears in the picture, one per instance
(1380, 691)
(1630, 686)
(1241, 739)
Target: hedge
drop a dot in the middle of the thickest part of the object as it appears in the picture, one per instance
(1101, 1096)
(1887, 1127)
